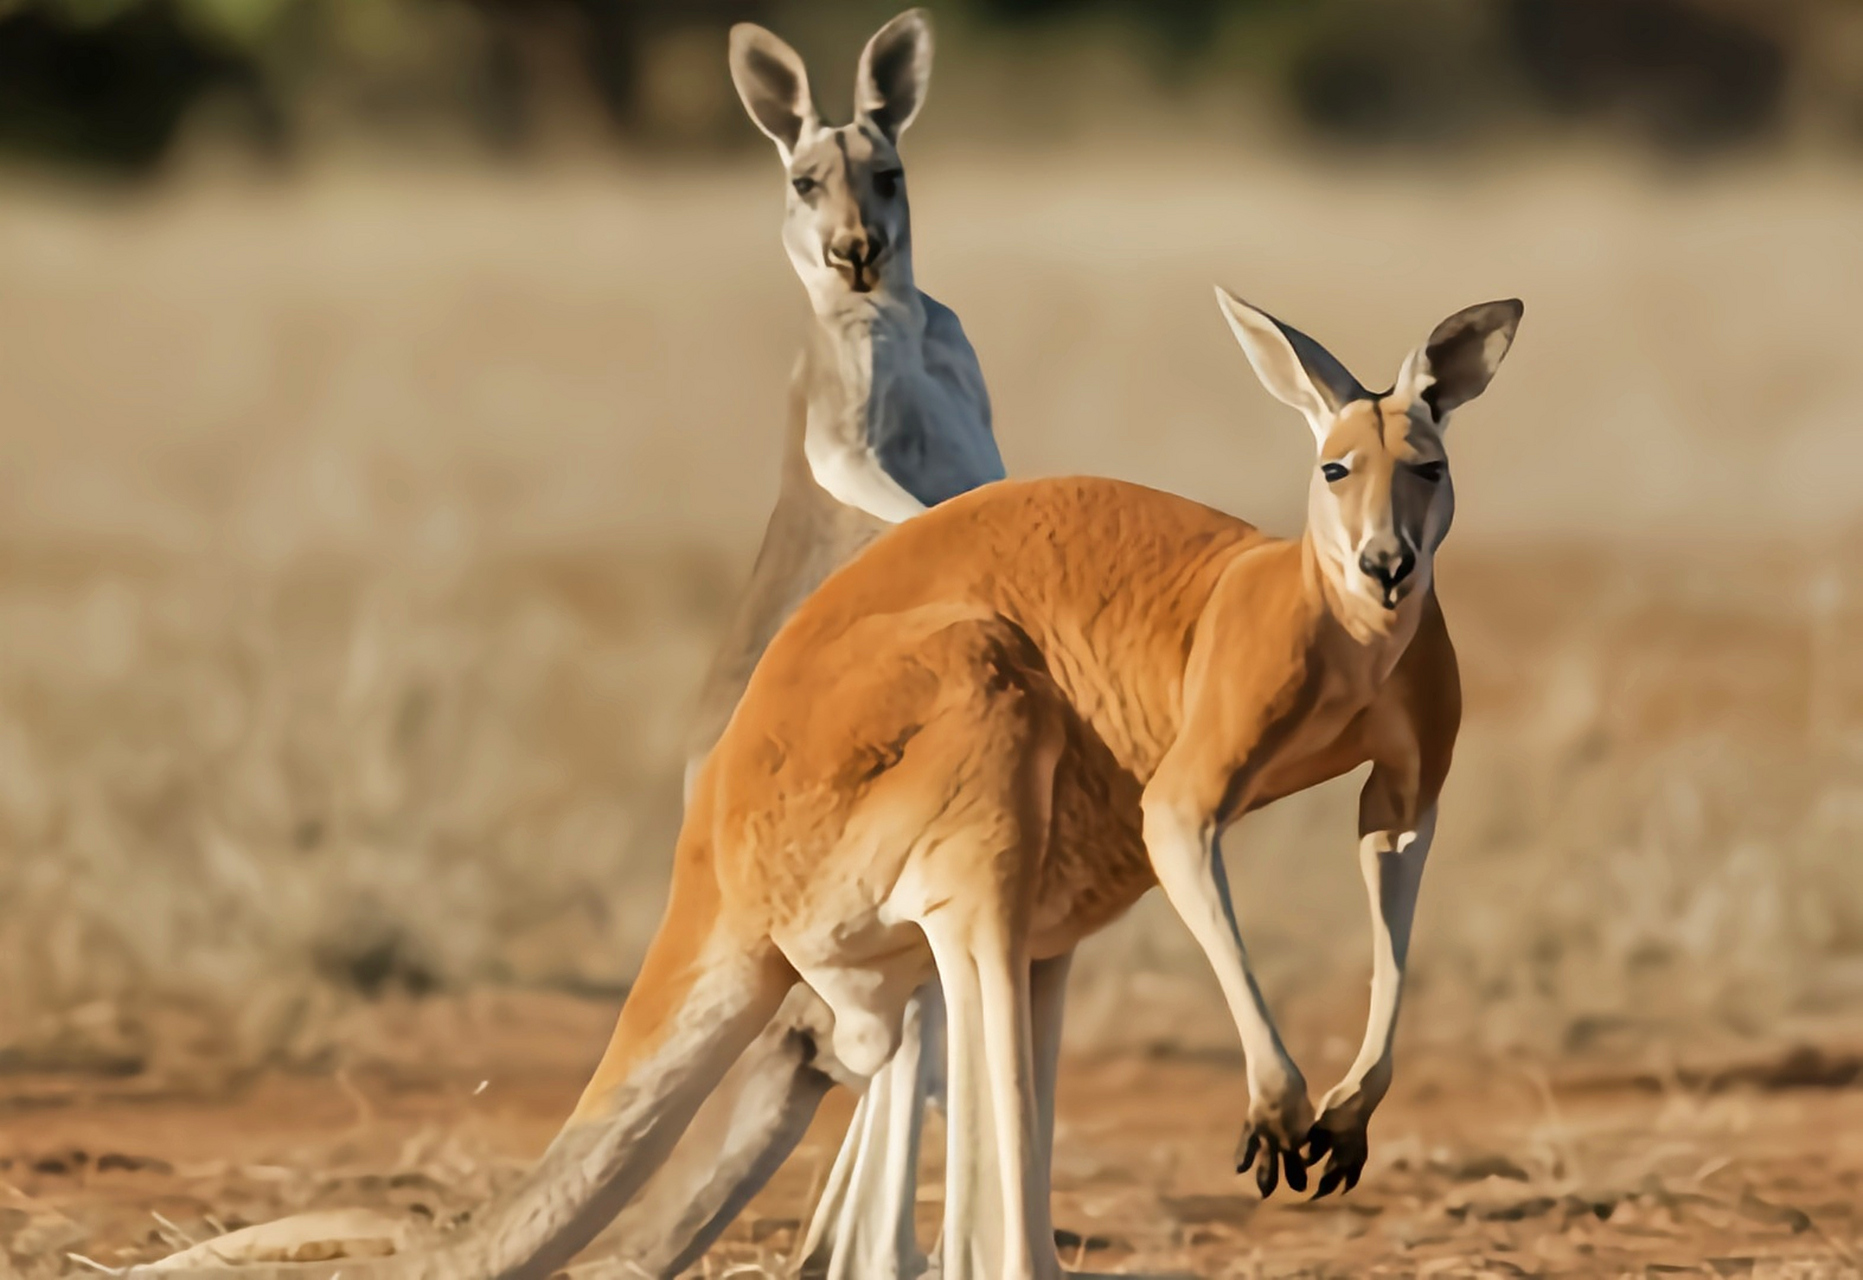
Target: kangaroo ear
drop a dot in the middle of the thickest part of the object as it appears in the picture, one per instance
(1296, 370)
(1460, 358)
(772, 82)
(895, 71)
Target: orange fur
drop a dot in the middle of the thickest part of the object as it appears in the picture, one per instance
(1152, 626)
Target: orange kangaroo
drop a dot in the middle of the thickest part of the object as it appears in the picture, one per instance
(984, 739)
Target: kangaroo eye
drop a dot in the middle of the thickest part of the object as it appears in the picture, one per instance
(1334, 471)
(1432, 472)
(886, 184)
(803, 185)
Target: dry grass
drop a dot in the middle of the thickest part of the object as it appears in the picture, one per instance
(363, 537)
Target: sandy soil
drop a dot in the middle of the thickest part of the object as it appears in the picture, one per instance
(1479, 1167)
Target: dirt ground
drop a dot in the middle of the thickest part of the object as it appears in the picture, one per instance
(1479, 1167)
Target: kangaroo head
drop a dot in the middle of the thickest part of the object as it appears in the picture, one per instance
(1381, 498)
(846, 225)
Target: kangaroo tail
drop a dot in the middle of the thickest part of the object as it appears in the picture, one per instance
(705, 991)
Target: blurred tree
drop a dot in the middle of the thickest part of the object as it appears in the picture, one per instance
(1423, 72)
(612, 42)
(1689, 76)
(108, 82)
(113, 82)
(1183, 26)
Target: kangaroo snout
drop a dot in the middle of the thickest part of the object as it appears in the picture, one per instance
(1388, 567)
(856, 254)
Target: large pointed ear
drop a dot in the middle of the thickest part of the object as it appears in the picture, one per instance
(1295, 369)
(895, 70)
(1460, 358)
(773, 84)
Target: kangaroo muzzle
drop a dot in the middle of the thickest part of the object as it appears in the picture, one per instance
(857, 256)
(1390, 568)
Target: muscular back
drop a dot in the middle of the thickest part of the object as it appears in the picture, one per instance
(1106, 579)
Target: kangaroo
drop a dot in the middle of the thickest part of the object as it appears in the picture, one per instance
(887, 415)
(986, 737)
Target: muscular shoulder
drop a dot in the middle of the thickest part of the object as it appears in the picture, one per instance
(943, 327)
(950, 357)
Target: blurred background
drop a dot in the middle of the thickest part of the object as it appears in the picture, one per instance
(391, 395)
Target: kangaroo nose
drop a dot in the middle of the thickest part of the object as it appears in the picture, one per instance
(856, 249)
(1387, 568)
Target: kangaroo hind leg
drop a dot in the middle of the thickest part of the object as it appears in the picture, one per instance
(977, 882)
(996, 1192)
(863, 1226)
